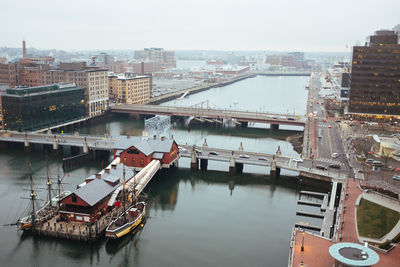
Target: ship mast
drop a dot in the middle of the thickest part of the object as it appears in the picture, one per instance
(123, 190)
(33, 196)
(49, 183)
(59, 186)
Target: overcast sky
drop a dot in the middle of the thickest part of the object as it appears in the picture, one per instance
(286, 25)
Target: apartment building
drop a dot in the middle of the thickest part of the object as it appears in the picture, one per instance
(130, 89)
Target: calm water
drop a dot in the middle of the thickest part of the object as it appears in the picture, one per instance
(281, 94)
(195, 218)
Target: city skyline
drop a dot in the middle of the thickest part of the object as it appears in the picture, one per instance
(188, 25)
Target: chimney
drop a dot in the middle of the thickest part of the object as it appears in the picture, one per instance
(23, 49)
(114, 166)
(155, 137)
(162, 138)
(107, 171)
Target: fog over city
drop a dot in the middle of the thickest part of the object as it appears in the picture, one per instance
(287, 25)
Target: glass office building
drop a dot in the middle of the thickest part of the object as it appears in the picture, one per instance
(375, 78)
(33, 108)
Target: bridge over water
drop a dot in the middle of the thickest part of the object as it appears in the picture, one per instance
(243, 117)
(235, 158)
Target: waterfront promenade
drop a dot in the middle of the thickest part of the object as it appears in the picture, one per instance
(316, 248)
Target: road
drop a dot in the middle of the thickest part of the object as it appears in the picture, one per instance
(327, 133)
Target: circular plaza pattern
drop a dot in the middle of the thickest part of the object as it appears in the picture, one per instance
(352, 254)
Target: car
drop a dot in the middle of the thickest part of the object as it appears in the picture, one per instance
(396, 177)
(291, 119)
(360, 171)
(321, 167)
(335, 155)
(244, 156)
(329, 126)
(263, 158)
(324, 120)
(369, 160)
(377, 163)
(198, 151)
(182, 149)
(213, 153)
(334, 166)
(298, 160)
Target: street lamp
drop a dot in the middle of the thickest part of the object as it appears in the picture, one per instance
(302, 241)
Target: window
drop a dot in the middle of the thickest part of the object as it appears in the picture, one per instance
(142, 162)
(74, 199)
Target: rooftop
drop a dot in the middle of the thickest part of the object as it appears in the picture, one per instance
(145, 145)
(44, 89)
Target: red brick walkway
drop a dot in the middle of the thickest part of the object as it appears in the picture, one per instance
(316, 249)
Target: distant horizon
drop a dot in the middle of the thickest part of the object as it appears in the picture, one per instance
(223, 25)
(175, 50)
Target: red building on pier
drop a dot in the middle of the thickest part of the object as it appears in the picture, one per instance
(89, 201)
(137, 152)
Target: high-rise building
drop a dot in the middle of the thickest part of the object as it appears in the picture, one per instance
(32, 108)
(166, 58)
(375, 77)
(130, 89)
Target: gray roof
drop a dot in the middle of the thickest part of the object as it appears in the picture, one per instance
(146, 146)
(158, 155)
(94, 191)
(117, 174)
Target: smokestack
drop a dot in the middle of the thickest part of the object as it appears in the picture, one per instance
(23, 49)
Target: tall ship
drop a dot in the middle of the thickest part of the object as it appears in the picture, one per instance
(130, 218)
(39, 214)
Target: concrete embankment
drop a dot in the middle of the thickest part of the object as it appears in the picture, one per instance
(174, 95)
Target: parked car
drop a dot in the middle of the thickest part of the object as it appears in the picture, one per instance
(334, 166)
(321, 167)
(396, 177)
(298, 160)
(329, 126)
(335, 155)
(213, 153)
(377, 163)
(369, 160)
(263, 158)
(244, 156)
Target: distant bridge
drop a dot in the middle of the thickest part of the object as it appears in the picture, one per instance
(217, 114)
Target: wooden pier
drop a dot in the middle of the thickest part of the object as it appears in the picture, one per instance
(88, 232)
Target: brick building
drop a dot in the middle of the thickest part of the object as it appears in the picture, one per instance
(129, 89)
(137, 152)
